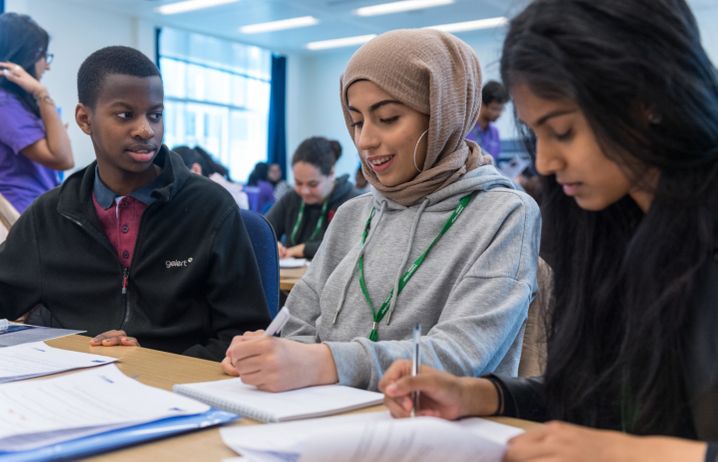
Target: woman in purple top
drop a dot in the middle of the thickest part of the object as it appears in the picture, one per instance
(33, 140)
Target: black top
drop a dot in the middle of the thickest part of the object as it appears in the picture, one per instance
(524, 397)
(283, 215)
(193, 284)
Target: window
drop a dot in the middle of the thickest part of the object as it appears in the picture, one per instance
(217, 97)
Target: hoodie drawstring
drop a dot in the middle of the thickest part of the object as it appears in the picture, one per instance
(345, 289)
(407, 253)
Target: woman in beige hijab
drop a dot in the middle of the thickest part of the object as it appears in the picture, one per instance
(444, 241)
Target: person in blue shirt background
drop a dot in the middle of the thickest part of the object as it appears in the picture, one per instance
(493, 99)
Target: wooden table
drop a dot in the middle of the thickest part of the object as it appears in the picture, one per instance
(163, 370)
(289, 276)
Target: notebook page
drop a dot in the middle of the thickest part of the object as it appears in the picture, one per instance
(234, 396)
(36, 359)
(89, 402)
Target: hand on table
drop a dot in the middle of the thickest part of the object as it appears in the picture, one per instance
(114, 338)
(563, 442)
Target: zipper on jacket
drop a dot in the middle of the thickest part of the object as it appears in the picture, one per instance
(125, 298)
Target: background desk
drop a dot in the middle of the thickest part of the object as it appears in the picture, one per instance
(289, 276)
(163, 370)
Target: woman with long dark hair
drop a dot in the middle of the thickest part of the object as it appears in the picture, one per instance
(33, 140)
(620, 102)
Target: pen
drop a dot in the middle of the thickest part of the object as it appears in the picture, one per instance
(278, 322)
(416, 358)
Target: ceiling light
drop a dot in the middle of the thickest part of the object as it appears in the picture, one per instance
(342, 42)
(397, 7)
(190, 5)
(291, 23)
(471, 25)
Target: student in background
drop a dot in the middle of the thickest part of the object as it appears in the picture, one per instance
(274, 175)
(493, 99)
(133, 248)
(443, 239)
(33, 140)
(630, 160)
(302, 216)
(262, 187)
(198, 165)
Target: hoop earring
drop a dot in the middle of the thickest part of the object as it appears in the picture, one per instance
(416, 146)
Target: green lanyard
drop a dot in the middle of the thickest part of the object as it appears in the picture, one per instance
(377, 316)
(300, 217)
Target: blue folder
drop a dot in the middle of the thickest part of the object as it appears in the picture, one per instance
(113, 439)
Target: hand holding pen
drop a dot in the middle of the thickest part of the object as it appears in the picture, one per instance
(442, 394)
(278, 364)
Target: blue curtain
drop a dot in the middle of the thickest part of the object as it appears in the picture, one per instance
(2, 6)
(277, 142)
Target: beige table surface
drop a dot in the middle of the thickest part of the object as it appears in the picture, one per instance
(160, 369)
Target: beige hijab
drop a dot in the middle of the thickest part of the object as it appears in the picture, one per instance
(434, 73)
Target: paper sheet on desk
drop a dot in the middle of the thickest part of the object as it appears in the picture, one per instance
(293, 262)
(28, 360)
(372, 436)
(18, 334)
(39, 413)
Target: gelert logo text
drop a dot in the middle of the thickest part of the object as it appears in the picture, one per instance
(178, 263)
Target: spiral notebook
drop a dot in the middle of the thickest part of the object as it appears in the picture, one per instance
(234, 396)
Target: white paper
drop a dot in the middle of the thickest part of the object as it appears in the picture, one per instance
(514, 167)
(35, 359)
(292, 262)
(43, 412)
(17, 334)
(372, 436)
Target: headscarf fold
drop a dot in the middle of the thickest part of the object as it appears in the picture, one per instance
(436, 74)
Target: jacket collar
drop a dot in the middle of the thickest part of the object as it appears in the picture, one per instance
(76, 192)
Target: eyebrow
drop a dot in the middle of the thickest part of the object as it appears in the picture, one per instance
(551, 115)
(123, 104)
(376, 106)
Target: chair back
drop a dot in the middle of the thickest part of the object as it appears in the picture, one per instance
(8, 217)
(264, 244)
(533, 353)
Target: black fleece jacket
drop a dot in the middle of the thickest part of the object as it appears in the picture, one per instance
(193, 284)
(284, 213)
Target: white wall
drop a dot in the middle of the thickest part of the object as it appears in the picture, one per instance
(75, 32)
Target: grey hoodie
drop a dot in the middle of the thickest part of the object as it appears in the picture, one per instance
(471, 295)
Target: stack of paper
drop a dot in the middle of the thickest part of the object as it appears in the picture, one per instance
(44, 412)
(35, 359)
(375, 437)
(16, 334)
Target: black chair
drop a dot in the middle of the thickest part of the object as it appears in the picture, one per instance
(264, 244)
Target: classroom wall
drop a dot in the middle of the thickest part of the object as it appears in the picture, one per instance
(75, 32)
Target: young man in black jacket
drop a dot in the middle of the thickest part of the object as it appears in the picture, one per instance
(133, 248)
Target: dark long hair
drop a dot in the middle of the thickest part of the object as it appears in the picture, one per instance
(624, 280)
(22, 42)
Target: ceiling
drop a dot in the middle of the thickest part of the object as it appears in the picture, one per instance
(336, 18)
